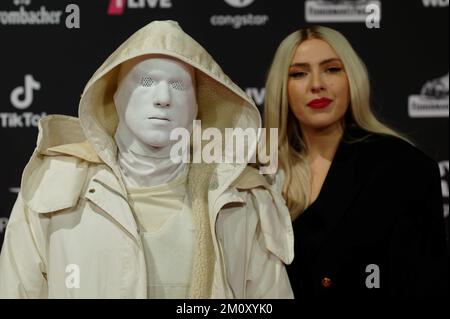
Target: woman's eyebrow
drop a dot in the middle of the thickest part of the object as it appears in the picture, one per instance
(302, 64)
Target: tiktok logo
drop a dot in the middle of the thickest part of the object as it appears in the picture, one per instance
(22, 97)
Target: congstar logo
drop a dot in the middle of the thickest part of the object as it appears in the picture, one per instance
(239, 3)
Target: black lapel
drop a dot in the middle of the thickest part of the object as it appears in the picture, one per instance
(338, 191)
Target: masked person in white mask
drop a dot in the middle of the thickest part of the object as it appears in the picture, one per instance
(105, 212)
(155, 95)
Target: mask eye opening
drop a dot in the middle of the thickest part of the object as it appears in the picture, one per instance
(147, 81)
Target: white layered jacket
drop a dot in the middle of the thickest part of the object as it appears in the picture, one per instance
(72, 232)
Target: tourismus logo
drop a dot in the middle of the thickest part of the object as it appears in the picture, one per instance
(343, 11)
(432, 101)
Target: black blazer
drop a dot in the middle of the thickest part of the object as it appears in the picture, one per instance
(380, 205)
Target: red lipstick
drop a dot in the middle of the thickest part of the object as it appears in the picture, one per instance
(319, 103)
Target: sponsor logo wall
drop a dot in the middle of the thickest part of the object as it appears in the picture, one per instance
(51, 48)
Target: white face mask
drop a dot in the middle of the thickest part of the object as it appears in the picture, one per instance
(155, 96)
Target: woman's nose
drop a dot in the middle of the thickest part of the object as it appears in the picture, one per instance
(317, 83)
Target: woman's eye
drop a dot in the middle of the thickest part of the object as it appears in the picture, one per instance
(334, 69)
(177, 85)
(297, 74)
(147, 81)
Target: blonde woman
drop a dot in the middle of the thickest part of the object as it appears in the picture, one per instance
(366, 204)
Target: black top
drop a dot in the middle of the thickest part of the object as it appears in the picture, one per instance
(377, 222)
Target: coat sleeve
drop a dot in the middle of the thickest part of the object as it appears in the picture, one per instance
(22, 268)
(271, 247)
(256, 241)
(418, 252)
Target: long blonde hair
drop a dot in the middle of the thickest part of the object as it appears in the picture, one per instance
(277, 113)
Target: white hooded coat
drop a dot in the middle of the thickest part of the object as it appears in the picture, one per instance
(72, 232)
